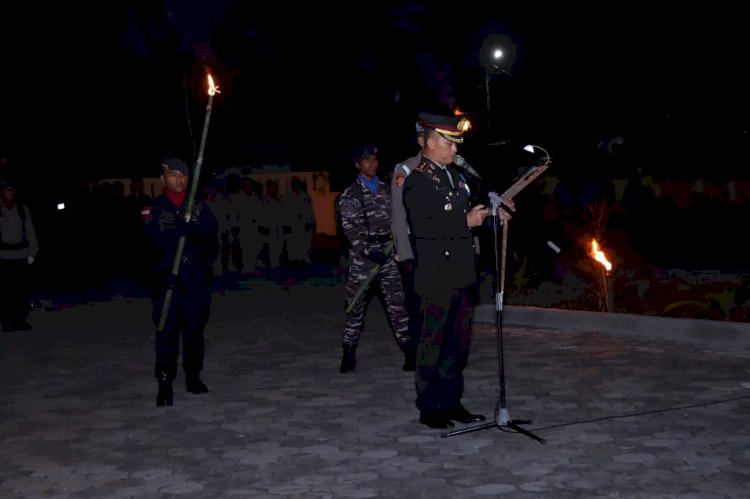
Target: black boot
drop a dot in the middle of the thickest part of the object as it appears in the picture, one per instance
(410, 360)
(165, 395)
(194, 385)
(348, 361)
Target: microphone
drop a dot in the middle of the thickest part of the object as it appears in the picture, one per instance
(461, 162)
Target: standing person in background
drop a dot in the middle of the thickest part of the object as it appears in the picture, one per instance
(441, 221)
(365, 212)
(226, 217)
(299, 208)
(18, 249)
(249, 206)
(165, 223)
(404, 244)
(272, 224)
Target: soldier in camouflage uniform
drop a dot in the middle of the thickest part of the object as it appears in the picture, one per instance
(365, 210)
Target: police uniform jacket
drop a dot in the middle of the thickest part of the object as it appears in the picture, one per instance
(399, 223)
(164, 224)
(437, 218)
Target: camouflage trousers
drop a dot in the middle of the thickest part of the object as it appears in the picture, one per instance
(388, 279)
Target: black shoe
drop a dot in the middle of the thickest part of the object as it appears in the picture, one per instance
(435, 419)
(349, 359)
(165, 395)
(461, 415)
(194, 385)
(410, 360)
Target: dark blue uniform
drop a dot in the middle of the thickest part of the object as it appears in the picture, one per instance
(190, 304)
(444, 275)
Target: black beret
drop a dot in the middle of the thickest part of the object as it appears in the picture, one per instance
(363, 151)
(176, 164)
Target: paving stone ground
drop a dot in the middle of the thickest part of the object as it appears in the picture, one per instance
(625, 417)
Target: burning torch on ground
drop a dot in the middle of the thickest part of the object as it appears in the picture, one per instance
(606, 298)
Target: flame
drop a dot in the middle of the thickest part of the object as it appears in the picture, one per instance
(212, 89)
(464, 124)
(599, 255)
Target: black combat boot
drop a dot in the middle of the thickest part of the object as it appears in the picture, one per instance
(165, 395)
(410, 359)
(194, 385)
(348, 361)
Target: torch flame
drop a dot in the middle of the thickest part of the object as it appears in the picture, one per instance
(599, 255)
(212, 89)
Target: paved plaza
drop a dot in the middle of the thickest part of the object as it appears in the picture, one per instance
(627, 416)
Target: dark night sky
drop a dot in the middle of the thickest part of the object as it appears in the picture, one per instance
(107, 89)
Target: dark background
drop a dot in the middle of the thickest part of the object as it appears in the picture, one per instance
(106, 91)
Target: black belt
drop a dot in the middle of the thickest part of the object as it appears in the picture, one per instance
(379, 238)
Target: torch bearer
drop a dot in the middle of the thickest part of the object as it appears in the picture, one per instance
(212, 90)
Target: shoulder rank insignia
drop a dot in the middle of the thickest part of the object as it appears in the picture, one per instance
(423, 167)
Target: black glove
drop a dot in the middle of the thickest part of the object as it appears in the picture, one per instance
(188, 229)
(378, 257)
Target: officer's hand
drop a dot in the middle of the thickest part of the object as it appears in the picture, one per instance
(170, 280)
(378, 257)
(503, 214)
(476, 215)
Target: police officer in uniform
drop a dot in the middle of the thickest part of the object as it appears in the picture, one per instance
(165, 223)
(403, 242)
(436, 200)
(365, 211)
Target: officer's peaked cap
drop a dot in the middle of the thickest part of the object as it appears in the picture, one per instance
(450, 127)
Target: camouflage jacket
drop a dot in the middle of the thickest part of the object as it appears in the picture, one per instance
(365, 218)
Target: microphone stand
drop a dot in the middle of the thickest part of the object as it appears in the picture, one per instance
(502, 415)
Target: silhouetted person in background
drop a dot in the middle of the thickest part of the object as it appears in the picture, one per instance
(18, 249)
